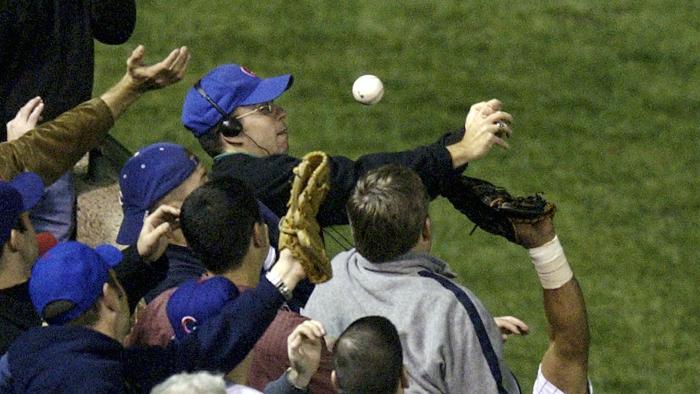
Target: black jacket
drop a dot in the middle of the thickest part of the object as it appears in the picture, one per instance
(271, 176)
(47, 50)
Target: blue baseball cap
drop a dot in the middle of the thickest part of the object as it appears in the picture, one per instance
(196, 301)
(229, 86)
(71, 271)
(146, 177)
(19, 195)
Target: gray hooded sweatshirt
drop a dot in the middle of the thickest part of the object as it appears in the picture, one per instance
(451, 343)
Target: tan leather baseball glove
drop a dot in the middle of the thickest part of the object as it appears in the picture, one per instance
(299, 229)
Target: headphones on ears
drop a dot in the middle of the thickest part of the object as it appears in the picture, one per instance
(229, 127)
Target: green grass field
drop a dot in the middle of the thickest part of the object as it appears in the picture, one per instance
(606, 97)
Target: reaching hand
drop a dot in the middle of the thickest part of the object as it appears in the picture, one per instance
(485, 126)
(510, 325)
(304, 351)
(152, 240)
(168, 71)
(26, 119)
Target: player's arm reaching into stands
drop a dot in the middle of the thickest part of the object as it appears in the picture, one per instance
(564, 365)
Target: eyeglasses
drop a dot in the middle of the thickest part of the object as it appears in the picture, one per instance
(264, 108)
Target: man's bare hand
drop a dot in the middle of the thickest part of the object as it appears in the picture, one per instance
(289, 269)
(486, 125)
(152, 240)
(26, 119)
(510, 325)
(140, 78)
(304, 351)
(167, 72)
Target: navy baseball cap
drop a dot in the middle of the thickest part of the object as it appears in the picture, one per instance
(230, 86)
(196, 301)
(146, 177)
(17, 196)
(71, 271)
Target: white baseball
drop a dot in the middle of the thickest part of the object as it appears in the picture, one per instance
(368, 89)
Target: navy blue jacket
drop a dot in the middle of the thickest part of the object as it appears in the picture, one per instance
(81, 360)
(17, 312)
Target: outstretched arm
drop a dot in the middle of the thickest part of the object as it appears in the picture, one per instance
(437, 164)
(565, 363)
(52, 148)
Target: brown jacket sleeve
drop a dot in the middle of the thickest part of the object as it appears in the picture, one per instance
(52, 148)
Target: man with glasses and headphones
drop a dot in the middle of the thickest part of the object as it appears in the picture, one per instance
(230, 112)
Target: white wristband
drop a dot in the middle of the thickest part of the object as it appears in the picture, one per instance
(551, 265)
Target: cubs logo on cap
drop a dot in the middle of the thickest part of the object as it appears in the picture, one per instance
(195, 301)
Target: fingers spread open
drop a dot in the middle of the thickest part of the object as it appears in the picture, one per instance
(169, 61)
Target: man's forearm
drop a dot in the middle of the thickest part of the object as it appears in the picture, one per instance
(120, 96)
(565, 309)
(54, 147)
(565, 363)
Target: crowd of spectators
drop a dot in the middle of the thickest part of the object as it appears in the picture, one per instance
(200, 299)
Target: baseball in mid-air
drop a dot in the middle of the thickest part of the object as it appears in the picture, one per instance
(368, 89)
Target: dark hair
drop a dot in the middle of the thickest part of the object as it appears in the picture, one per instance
(217, 220)
(367, 357)
(210, 141)
(19, 224)
(387, 211)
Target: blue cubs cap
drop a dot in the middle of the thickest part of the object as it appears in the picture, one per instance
(71, 271)
(145, 178)
(196, 301)
(16, 196)
(229, 86)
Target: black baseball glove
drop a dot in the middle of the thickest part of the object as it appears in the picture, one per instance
(493, 209)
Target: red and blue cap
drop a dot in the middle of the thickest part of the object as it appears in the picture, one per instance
(71, 271)
(197, 300)
(147, 177)
(19, 195)
(229, 86)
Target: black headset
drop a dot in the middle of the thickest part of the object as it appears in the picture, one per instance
(229, 126)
